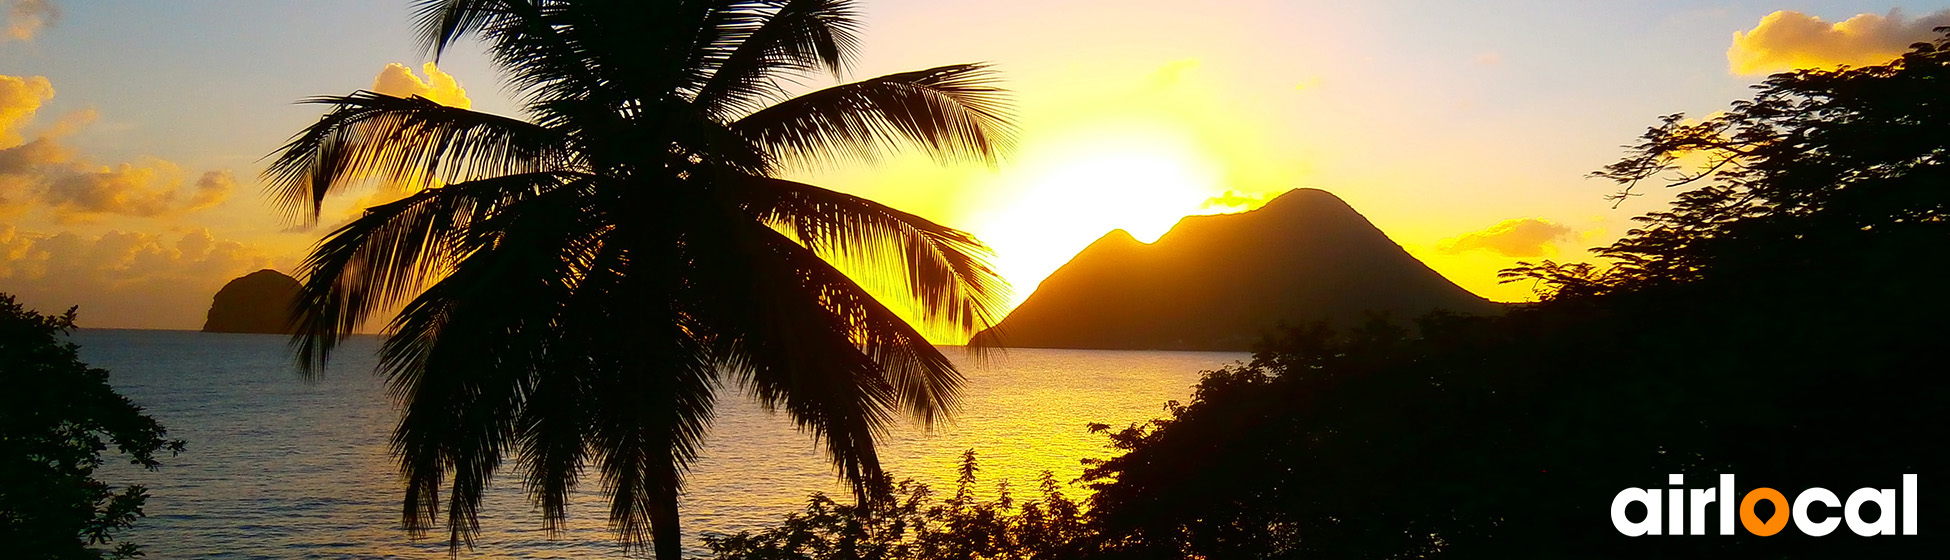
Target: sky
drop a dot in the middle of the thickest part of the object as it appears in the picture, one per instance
(132, 133)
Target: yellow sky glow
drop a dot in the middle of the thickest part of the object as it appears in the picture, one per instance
(1132, 114)
(1141, 177)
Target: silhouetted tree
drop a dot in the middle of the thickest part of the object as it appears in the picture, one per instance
(1822, 164)
(579, 285)
(57, 415)
(1782, 321)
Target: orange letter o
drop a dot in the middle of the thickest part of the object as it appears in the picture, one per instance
(1752, 522)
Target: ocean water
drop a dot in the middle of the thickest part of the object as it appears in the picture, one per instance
(281, 467)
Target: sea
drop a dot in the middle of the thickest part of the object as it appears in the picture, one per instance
(279, 466)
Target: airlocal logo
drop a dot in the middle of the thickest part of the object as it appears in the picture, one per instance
(1806, 519)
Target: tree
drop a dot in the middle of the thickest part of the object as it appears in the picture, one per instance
(579, 286)
(1820, 168)
(1781, 322)
(56, 417)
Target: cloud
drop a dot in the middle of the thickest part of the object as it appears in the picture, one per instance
(1236, 201)
(49, 176)
(71, 122)
(398, 81)
(32, 156)
(123, 279)
(23, 176)
(1522, 237)
(20, 98)
(25, 18)
(212, 188)
(153, 188)
(1789, 40)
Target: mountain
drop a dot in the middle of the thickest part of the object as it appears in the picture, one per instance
(259, 302)
(1221, 282)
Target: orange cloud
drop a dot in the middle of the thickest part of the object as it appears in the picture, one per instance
(1522, 237)
(46, 175)
(440, 87)
(20, 98)
(25, 18)
(22, 173)
(154, 188)
(71, 122)
(123, 279)
(1789, 40)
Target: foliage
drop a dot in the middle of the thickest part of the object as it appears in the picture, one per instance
(907, 522)
(1782, 322)
(56, 418)
(1822, 164)
(579, 285)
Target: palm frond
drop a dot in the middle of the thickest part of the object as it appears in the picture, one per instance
(651, 412)
(469, 354)
(440, 23)
(459, 405)
(403, 140)
(713, 144)
(774, 328)
(389, 253)
(629, 55)
(558, 424)
(655, 380)
(537, 46)
(554, 429)
(775, 38)
(954, 113)
(945, 271)
(923, 382)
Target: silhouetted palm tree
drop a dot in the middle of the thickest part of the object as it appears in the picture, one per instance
(582, 284)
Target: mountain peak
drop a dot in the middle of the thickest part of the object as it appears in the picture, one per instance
(264, 275)
(259, 302)
(1308, 200)
(1306, 192)
(1220, 282)
(1117, 236)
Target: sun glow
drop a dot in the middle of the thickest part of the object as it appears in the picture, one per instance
(1072, 190)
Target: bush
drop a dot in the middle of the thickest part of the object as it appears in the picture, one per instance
(57, 416)
(906, 521)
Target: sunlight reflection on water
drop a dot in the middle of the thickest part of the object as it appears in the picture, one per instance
(279, 467)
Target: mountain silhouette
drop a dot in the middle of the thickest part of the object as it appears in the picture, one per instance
(1221, 282)
(259, 302)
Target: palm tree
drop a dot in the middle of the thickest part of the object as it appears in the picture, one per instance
(577, 287)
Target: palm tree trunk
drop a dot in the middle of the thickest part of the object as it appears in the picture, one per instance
(664, 534)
